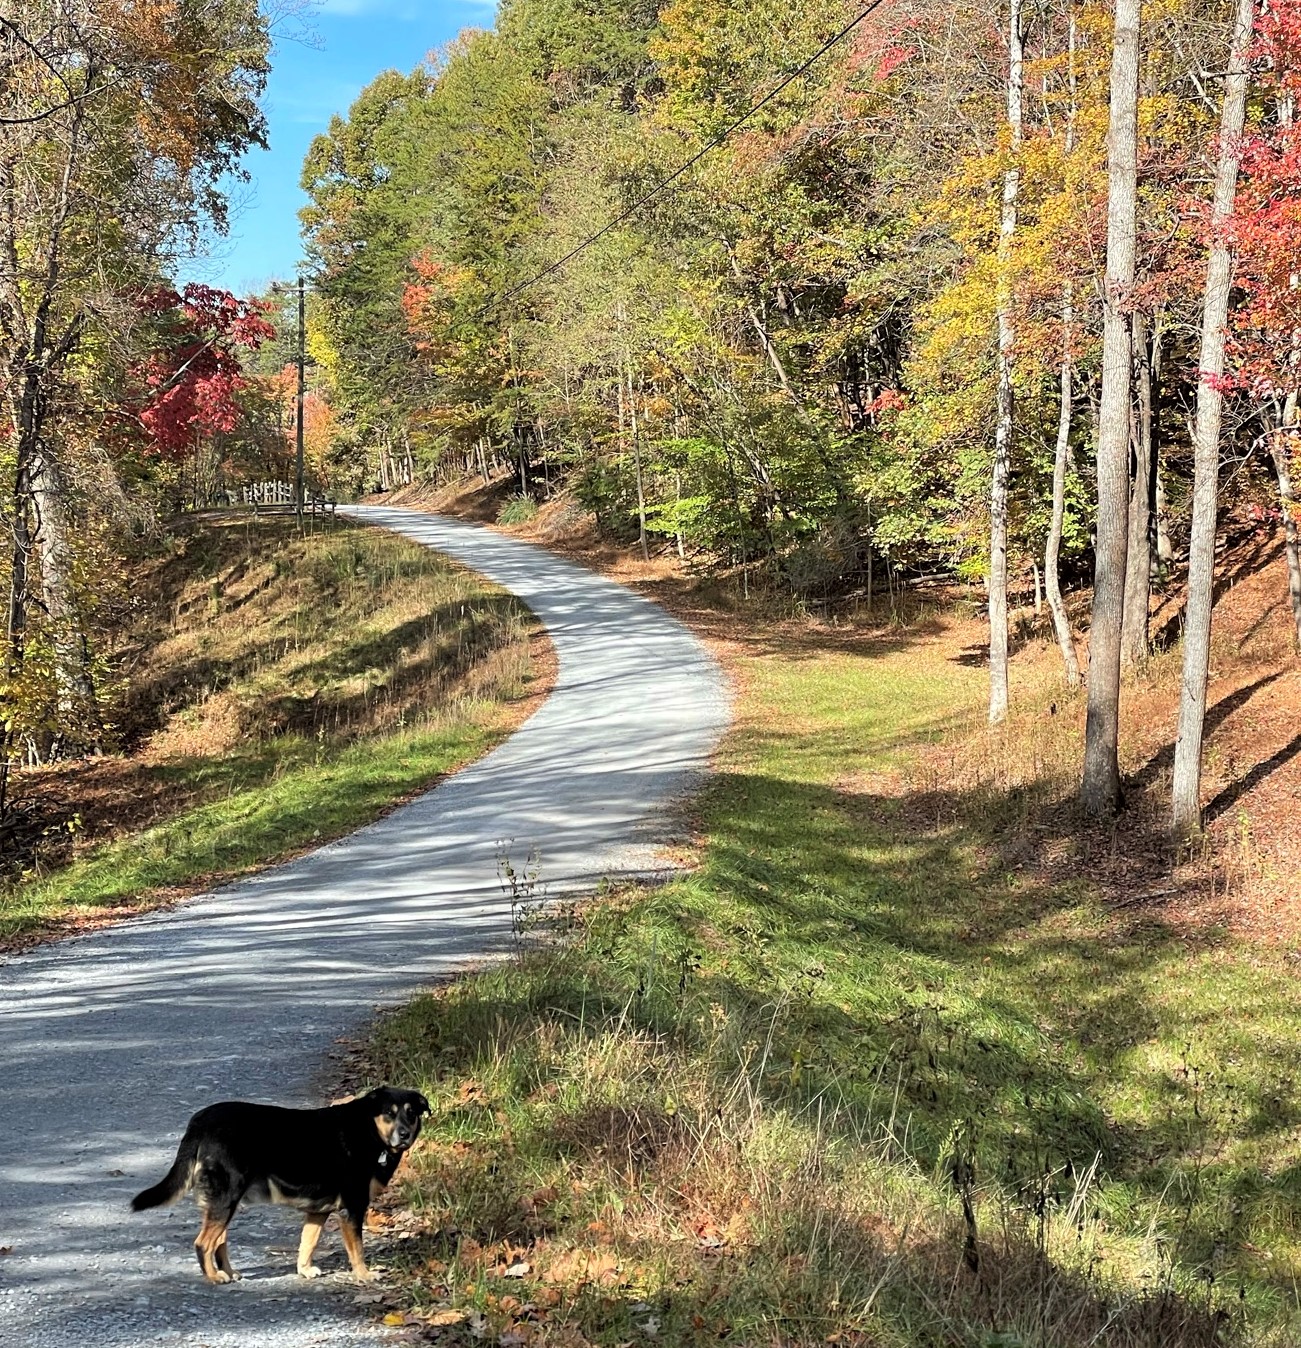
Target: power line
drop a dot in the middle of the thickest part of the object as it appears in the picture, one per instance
(690, 163)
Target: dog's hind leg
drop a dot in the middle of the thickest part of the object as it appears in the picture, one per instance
(350, 1226)
(313, 1224)
(210, 1244)
(223, 1261)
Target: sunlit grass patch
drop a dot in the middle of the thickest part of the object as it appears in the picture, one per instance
(859, 1078)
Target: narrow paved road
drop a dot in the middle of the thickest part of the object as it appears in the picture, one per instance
(109, 1042)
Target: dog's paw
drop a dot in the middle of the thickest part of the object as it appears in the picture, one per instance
(363, 1275)
(220, 1275)
(311, 1271)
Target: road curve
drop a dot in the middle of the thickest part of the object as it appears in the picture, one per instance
(108, 1042)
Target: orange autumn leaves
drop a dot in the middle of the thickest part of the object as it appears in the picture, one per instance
(168, 61)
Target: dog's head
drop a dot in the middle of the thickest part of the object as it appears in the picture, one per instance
(397, 1114)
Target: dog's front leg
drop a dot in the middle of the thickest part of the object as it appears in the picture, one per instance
(313, 1225)
(350, 1224)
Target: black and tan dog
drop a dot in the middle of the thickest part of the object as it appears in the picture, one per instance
(316, 1160)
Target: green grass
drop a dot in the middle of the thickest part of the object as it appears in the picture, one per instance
(750, 1106)
(291, 796)
(519, 509)
(286, 691)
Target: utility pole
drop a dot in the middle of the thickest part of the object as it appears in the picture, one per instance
(302, 394)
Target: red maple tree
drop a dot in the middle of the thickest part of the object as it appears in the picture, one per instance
(191, 378)
(1267, 225)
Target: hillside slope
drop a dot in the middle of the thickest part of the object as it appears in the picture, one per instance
(275, 691)
(914, 1057)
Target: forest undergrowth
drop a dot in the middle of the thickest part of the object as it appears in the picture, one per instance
(911, 1057)
(275, 691)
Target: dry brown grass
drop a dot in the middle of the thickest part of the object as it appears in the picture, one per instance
(1018, 783)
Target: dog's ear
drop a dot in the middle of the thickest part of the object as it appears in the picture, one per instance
(425, 1110)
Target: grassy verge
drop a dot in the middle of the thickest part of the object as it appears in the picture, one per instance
(862, 1078)
(284, 690)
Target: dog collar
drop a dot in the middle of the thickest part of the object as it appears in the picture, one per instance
(384, 1157)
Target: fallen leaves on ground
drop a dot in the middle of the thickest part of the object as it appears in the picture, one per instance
(582, 1266)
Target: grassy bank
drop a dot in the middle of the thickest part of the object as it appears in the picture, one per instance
(279, 691)
(868, 1076)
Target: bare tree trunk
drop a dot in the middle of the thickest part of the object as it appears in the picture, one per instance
(37, 354)
(1052, 548)
(636, 454)
(1100, 780)
(871, 548)
(17, 626)
(1006, 401)
(1061, 458)
(77, 704)
(1285, 437)
(1165, 551)
(1280, 450)
(16, 630)
(1186, 805)
(1138, 563)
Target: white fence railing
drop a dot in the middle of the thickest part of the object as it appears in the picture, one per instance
(268, 493)
(280, 496)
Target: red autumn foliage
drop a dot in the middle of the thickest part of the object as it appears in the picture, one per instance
(1267, 221)
(191, 379)
(881, 48)
(429, 302)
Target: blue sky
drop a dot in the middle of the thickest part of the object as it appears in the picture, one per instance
(351, 42)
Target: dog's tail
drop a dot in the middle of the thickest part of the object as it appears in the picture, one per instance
(174, 1184)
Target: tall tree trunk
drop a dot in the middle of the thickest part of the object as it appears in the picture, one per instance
(78, 709)
(1186, 806)
(546, 469)
(1280, 449)
(1159, 554)
(16, 631)
(1138, 562)
(1052, 548)
(1061, 458)
(1165, 550)
(1100, 780)
(1285, 436)
(636, 455)
(16, 627)
(1006, 400)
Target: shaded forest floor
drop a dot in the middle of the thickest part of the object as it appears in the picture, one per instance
(274, 692)
(912, 1057)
